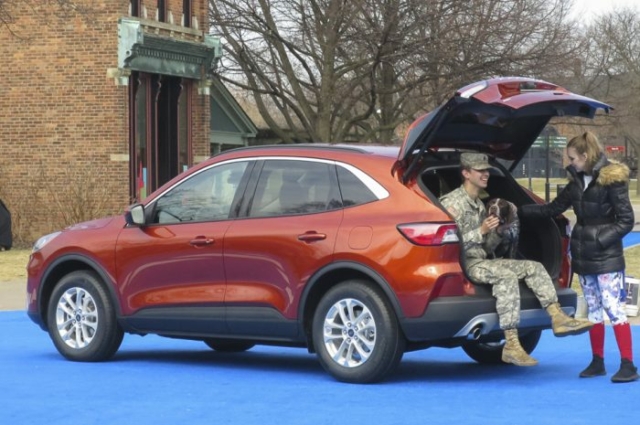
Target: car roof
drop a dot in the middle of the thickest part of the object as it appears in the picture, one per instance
(319, 148)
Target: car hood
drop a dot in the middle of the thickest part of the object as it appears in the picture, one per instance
(502, 117)
(90, 225)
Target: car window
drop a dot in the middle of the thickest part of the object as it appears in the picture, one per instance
(288, 187)
(354, 191)
(205, 196)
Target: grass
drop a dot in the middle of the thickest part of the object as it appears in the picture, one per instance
(13, 264)
(632, 257)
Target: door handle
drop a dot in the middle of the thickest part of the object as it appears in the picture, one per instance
(312, 236)
(201, 241)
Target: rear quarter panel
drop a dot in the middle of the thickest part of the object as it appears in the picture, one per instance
(369, 235)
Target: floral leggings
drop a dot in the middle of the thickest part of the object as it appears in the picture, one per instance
(605, 293)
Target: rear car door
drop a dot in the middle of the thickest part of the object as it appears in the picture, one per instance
(288, 232)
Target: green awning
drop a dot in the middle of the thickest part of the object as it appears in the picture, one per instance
(161, 48)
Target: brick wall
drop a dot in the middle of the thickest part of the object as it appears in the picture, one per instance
(201, 124)
(65, 136)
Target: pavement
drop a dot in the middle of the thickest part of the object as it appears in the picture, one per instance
(13, 295)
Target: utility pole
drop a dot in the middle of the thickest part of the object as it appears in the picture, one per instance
(547, 187)
(529, 169)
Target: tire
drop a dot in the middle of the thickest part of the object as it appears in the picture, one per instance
(356, 334)
(81, 318)
(491, 352)
(228, 345)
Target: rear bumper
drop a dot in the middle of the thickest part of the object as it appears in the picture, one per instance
(463, 317)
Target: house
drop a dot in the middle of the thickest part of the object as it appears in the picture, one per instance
(103, 103)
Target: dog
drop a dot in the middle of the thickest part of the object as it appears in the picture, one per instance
(508, 229)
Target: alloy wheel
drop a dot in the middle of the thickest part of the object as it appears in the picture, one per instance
(76, 317)
(349, 332)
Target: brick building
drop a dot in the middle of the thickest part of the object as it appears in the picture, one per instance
(99, 105)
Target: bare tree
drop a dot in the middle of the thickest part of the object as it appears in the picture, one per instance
(610, 69)
(353, 70)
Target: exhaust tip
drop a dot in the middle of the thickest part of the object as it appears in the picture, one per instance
(475, 333)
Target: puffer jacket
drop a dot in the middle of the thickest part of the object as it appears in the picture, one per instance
(604, 215)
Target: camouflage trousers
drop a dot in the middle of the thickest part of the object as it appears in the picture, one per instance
(503, 275)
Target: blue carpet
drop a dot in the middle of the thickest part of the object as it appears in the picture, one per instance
(154, 380)
(631, 239)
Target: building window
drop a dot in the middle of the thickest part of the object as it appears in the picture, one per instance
(160, 130)
(184, 126)
(139, 121)
(135, 7)
(162, 10)
(186, 13)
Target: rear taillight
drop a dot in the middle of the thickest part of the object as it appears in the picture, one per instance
(429, 234)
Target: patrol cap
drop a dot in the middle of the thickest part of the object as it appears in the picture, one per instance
(477, 161)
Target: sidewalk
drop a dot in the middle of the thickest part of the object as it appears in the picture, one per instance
(13, 295)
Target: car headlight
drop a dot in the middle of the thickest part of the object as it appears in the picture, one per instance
(40, 243)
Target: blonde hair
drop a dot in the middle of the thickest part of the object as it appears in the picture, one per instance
(589, 144)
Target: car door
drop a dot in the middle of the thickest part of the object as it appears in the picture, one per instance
(171, 270)
(289, 232)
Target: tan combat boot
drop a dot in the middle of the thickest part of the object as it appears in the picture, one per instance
(513, 352)
(564, 325)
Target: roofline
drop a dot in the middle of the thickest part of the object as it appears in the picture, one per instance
(246, 124)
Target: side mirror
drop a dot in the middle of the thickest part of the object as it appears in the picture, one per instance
(135, 215)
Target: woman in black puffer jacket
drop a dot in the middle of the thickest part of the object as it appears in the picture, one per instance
(598, 191)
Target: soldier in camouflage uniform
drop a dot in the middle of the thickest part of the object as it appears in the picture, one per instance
(480, 236)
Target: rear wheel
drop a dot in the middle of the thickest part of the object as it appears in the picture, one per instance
(81, 318)
(491, 352)
(228, 345)
(356, 334)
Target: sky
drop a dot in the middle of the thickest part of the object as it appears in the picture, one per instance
(592, 8)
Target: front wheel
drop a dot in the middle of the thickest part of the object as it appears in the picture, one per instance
(81, 318)
(491, 352)
(356, 334)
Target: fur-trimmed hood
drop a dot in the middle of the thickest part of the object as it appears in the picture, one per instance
(614, 172)
(607, 172)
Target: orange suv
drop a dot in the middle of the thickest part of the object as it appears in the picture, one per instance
(344, 250)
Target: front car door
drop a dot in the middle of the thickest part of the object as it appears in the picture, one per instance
(173, 267)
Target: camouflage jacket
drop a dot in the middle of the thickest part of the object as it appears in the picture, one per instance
(469, 215)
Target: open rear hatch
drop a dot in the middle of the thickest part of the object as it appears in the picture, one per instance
(502, 117)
